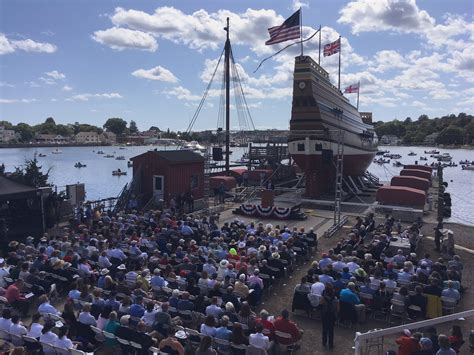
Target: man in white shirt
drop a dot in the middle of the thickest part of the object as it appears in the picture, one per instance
(339, 264)
(352, 265)
(259, 340)
(317, 288)
(17, 329)
(104, 262)
(36, 327)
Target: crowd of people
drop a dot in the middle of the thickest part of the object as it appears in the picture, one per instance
(137, 280)
(364, 275)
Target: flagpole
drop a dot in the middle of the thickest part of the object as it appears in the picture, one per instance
(339, 80)
(301, 30)
(319, 54)
(358, 93)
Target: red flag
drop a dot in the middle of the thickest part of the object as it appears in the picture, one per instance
(332, 48)
(351, 89)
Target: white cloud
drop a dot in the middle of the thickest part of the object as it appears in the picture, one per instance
(47, 81)
(181, 93)
(15, 101)
(55, 75)
(67, 88)
(299, 4)
(27, 45)
(385, 15)
(87, 96)
(157, 73)
(123, 38)
(5, 84)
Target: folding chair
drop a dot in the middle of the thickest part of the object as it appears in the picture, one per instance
(449, 305)
(136, 346)
(282, 335)
(222, 346)
(48, 349)
(397, 310)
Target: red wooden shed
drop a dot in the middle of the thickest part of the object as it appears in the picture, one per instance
(416, 172)
(165, 174)
(401, 196)
(411, 181)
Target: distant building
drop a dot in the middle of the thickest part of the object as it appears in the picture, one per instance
(88, 138)
(6, 135)
(389, 139)
(430, 139)
(109, 137)
(50, 139)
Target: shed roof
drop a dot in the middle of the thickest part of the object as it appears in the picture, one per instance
(176, 156)
(10, 189)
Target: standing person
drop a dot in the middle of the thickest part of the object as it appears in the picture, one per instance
(444, 346)
(408, 343)
(221, 192)
(455, 339)
(329, 310)
(438, 235)
(245, 177)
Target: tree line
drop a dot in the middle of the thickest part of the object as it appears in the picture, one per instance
(452, 129)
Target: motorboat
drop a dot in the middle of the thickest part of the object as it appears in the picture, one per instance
(432, 151)
(100, 152)
(382, 161)
(56, 151)
(109, 156)
(195, 147)
(466, 162)
(445, 157)
(118, 172)
(120, 157)
(80, 165)
(41, 155)
(423, 158)
(382, 152)
(392, 156)
(411, 154)
(397, 164)
(467, 167)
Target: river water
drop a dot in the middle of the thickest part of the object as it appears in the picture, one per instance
(100, 183)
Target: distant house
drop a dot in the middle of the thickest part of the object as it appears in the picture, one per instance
(6, 135)
(88, 138)
(389, 139)
(50, 139)
(109, 137)
(430, 139)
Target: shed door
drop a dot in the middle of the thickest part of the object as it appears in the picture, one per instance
(158, 186)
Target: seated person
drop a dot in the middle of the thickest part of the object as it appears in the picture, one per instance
(283, 324)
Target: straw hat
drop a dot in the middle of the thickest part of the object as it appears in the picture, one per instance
(275, 255)
(104, 272)
(121, 267)
(224, 263)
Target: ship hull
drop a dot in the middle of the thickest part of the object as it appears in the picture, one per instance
(323, 125)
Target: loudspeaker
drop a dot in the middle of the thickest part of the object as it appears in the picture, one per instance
(217, 154)
(327, 156)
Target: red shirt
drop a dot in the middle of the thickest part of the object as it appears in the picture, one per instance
(13, 294)
(407, 345)
(267, 325)
(287, 326)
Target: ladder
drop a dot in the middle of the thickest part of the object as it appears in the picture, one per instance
(339, 171)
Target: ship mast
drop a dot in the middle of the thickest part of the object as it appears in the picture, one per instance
(227, 98)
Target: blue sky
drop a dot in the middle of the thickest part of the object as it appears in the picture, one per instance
(150, 61)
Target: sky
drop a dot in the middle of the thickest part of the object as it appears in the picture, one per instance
(150, 61)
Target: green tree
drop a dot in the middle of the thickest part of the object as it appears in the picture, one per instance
(6, 124)
(50, 121)
(154, 128)
(25, 130)
(31, 174)
(116, 125)
(133, 127)
(451, 135)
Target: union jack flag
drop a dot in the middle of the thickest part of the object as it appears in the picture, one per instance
(332, 48)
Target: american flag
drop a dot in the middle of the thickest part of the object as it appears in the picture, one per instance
(290, 29)
(332, 48)
(351, 89)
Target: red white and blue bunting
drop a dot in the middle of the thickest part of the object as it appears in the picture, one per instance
(282, 212)
(248, 209)
(265, 211)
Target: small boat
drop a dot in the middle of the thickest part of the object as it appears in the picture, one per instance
(109, 156)
(80, 165)
(392, 156)
(41, 155)
(122, 148)
(100, 152)
(382, 152)
(130, 164)
(432, 151)
(423, 158)
(118, 172)
(411, 154)
(462, 162)
(382, 161)
(467, 167)
(445, 157)
(56, 151)
(120, 157)
(450, 165)
(397, 164)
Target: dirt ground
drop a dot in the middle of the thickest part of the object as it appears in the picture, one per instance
(280, 298)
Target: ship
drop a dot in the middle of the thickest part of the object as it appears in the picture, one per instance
(322, 120)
